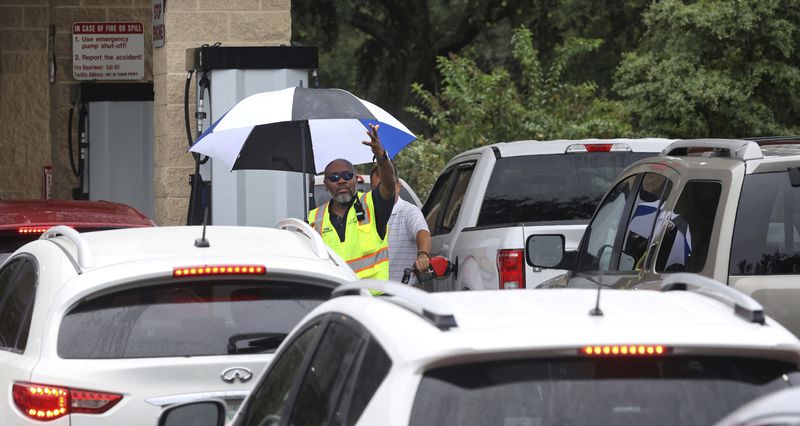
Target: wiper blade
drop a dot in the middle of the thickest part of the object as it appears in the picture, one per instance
(256, 343)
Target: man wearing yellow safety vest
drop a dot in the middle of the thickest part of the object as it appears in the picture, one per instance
(353, 224)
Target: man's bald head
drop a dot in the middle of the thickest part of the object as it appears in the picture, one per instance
(339, 165)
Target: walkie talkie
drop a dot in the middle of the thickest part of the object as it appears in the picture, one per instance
(359, 210)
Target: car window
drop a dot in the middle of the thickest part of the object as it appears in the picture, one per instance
(766, 235)
(372, 368)
(192, 318)
(456, 198)
(435, 201)
(271, 394)
(674, 390)
(684, 247)
(604, 229)
(18, 280)
(650, 197)
(535, 188)
(324, 379)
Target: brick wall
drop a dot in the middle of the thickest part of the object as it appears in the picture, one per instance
(24, 98)
(192, 23)
(34, 112)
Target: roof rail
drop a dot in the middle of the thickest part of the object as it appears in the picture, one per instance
(743, 305)
(85, 258)
(317, 245)
(417, 301)
(734, 148)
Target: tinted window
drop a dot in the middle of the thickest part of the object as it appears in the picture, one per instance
(373, 368)
(434, 204)
(269, 397)
(18, 282)
(550, 187)
(684, 247)
(187, 319)
(325, 377)
(623, 391)
(602, 232)
(652, 192)
(766, 237)
(456, 199)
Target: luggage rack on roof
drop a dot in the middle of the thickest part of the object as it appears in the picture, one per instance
(317, 245)
(743, 305)
(732, 148)
(85, 258)
(417, 301)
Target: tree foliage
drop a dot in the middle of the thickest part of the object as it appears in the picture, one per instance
(715, 68)
(475, 108)
(377, 48)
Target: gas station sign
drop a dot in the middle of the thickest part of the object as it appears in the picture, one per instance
(108, 51)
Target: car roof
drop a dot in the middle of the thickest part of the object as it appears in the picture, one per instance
(75, 213)
(534, 147)
(504, 321)
(761, 155)
(135, 244)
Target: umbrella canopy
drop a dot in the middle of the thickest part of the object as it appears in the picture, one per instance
(277, 130)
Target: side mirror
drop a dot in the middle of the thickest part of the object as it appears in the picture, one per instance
(545, 251)
(199, 413)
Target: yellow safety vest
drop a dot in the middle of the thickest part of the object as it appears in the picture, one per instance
(363, 249)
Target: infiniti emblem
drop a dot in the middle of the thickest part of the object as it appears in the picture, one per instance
(236, 373)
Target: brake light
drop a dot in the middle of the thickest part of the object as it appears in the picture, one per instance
(598, 147)
(511, 268)
(624, 350)
(196, 271)
(32, 229)
(47, 402)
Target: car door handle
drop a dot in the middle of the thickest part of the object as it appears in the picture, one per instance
(445, 246)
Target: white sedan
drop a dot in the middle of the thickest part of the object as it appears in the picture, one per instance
(109, 327)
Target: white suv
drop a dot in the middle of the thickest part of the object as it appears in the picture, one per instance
(108, 327)
(520, 358)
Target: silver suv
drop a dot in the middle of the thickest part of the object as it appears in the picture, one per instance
(726, 209)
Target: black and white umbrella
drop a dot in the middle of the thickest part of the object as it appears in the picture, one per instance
(301, 130)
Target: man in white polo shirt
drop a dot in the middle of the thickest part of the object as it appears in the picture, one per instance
(409, 237)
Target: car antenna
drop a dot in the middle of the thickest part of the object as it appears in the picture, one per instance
(596, 311)
(202, 241)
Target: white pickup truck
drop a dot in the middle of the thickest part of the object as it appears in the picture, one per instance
(489, 201)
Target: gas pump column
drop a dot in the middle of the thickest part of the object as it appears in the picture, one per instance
(248, 197)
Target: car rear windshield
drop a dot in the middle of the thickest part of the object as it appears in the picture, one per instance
(187, 319)
(766, 236)
(560, 187)
(674, 390)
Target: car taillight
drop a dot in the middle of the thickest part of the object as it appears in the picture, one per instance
(47, 402)
(32, 229)
(196, 271)
(598, 147)
(624, 350)
(511, 268)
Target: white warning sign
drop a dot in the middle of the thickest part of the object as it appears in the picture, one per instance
(108, 51)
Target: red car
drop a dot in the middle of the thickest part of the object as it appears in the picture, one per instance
(23, 221)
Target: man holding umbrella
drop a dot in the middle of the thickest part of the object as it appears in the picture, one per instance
(354, 224)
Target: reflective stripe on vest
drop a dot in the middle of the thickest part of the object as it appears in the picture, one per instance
(369, 260)
(363, 249)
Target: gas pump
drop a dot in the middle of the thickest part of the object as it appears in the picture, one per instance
(115, 143)
(223, 77)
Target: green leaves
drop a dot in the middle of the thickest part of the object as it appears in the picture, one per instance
(715, 68)
(476, 108)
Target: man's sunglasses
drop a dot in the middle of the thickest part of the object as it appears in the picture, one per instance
(334, 177)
